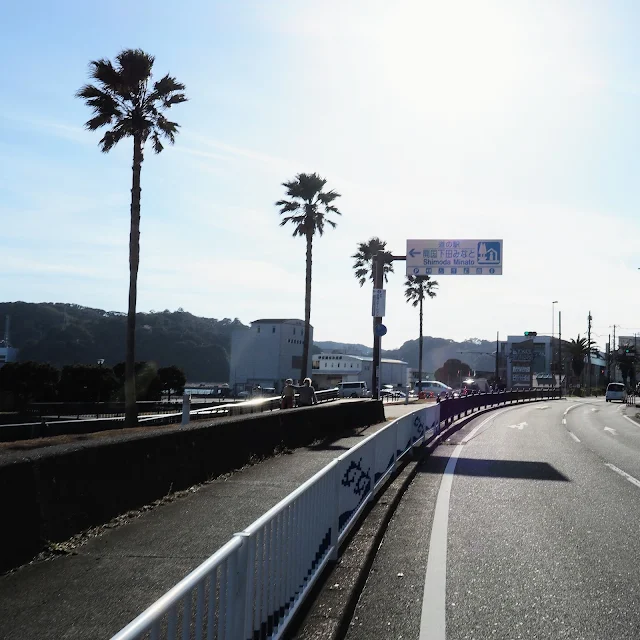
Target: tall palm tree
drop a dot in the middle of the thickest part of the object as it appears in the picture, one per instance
(364, 257)
(125, 100)
(579, 349)
(416, 289)
(308, 211)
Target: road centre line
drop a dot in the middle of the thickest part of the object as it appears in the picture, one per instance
(620, 472)
(433, 615)
(574, 436)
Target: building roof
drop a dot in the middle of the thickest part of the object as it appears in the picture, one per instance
(278, 321)
(363, 358)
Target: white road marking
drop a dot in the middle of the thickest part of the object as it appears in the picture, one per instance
(594, 409)
(624, 474)
(574, 436)
(478, 427)
(573, 406)
(520, 426)
(433, 616)
(564, 421)
(631, 420)
(612, 431)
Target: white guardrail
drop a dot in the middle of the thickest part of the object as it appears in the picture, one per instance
(252, 587)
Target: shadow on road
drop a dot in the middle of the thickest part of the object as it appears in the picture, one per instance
(517, 469)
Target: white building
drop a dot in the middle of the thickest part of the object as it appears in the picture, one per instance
(329, 369)
(267, 354)
(7, 354)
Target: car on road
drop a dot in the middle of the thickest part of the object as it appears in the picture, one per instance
(615, 391)
(353, 390)
(433, 386)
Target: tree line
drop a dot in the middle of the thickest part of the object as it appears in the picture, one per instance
(29, 381)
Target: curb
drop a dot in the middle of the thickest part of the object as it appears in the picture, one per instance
(330, 612)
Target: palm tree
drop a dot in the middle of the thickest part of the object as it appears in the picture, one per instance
(579, 349)
(308, 211)
(364, 257)
(416, 289)
(124, 100)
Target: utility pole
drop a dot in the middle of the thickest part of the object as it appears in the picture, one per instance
(560, 367)
(614, 350)
(497, 358)
(589, 354)
(609, 359)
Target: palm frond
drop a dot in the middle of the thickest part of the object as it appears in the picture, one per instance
(105, 73)
(111, 139)
(328, 197)
(163, 88)
(157, 145)
(167, 128)
(288, 205)
(134, 68)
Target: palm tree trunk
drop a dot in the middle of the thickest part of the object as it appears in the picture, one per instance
(307, 310)
(130, 409)
(420, 351)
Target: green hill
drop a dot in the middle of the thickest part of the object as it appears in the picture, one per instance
(67, 334)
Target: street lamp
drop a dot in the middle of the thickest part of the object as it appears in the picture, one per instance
(553, 331)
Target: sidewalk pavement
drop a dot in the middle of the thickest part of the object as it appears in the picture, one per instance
(100, 586)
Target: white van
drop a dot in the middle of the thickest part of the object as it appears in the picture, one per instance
(353, 390)
(433, 386)
(615, 391)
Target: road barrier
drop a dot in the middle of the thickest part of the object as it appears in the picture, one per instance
(44, 428)
(252, 587)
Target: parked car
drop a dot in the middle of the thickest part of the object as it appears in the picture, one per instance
(615, 391)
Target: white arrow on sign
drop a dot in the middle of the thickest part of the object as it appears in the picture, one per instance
(520, 426)
(612, 431)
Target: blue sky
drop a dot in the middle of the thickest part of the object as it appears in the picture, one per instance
(508, 119)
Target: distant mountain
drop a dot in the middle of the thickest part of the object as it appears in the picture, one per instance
(344, 347)
(67, 334)
(478, 354)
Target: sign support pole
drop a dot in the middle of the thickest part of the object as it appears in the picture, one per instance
(378, 283)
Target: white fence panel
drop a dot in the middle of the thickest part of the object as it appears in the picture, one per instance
(431, 419)
(385, 453)
(355, 470)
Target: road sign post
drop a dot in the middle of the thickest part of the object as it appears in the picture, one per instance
(454, 257)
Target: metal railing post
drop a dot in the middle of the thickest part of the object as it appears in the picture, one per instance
(335, 516)
(186, 406)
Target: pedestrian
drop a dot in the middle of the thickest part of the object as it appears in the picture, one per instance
(288, 392)
(306, 394)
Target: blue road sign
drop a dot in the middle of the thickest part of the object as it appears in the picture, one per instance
(454, 257)
(381, 330)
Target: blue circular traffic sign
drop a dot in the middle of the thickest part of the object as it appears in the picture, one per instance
(381, 330)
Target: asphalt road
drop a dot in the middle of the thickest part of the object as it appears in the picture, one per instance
(526, 527)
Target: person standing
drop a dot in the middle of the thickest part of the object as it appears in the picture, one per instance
(306, 394)
(288, 393)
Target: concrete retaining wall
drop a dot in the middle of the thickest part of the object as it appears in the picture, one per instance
(51, 494)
